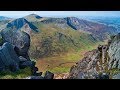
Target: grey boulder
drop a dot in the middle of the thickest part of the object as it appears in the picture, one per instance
(8, 58)
(19, 39)
(48, 75)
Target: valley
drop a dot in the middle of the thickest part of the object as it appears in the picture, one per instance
(63, 62)
(54, 44)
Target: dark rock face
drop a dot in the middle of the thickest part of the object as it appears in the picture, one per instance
(8, 58)
(48, 75)
(20, 40)
(26, 64)
(114, 52)
(117, 76)
(22, 59)
(102, 76)
(14, 51)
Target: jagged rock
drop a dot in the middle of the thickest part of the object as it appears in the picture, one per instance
(19, 39)
(26, 64)
(105, 59)
(34, 70)
(114, 52)
(48, 75)
(92, 64)
(22, 59)
(116, 76)
(102, 76)
(8, 57)
(38, 74)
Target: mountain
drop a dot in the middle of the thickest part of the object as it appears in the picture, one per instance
(98, 30)
(4, 18)
(63, 32)
(33, 17)
(55, 40)
(56, 37)
(110, 21)
(22, 24)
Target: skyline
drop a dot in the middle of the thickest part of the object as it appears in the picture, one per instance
(18, 14)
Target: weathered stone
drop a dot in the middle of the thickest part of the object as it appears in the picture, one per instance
(38, 74)
(22, 59)
(34, 70)
(114, 53)
(102, 76)
(26, 64)
(19, 39)
(116, 76)
(48, 75)
(93, 63)
(12, 52)
(8, 57)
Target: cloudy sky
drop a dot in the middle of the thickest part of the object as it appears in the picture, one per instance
(17, 14)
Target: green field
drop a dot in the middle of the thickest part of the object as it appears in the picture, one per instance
(22, 73)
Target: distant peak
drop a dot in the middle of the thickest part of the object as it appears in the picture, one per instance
(35, 15)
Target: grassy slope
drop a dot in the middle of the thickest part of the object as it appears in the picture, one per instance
(63, 62)
(64, 52)
(23, 73)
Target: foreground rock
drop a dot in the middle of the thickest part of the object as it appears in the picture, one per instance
(19, 39)
(101, 63)
(48, 75)
(114, 52)
(117, 76)
(8, 58)
(14, 51)
(92, 64)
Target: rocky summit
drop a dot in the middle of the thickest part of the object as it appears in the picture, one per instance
(101, 63)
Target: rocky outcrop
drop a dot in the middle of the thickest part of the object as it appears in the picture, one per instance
(101, 63)
(91, 65)
(114, 52)
(14, 51)
(8, 58)
(19, 39)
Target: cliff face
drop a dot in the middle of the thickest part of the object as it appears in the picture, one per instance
(103, 60)
(114, 52)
